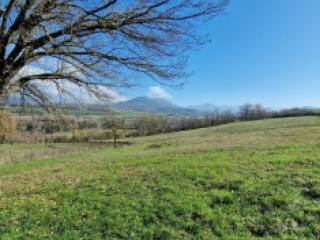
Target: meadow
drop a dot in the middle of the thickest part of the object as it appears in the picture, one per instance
(245, 180)
(11, 153)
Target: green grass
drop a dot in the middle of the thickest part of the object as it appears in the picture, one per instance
(245, 180)
(11, 153)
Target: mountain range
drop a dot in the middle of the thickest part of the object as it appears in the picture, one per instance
(163, 106)
(148, 105)
(156, 106)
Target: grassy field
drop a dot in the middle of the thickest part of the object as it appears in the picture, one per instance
(11, 153)
(246, 180)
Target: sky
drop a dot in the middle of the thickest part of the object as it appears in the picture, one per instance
(262, 51)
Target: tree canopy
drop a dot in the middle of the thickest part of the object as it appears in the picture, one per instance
(98, 43)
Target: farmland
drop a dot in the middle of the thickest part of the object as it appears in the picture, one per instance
(244, 180)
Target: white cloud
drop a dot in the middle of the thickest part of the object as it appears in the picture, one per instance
(113, 95)
(158, 92)
(79, 94)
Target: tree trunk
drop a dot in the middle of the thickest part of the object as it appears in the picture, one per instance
(115, 141)
(114, 132)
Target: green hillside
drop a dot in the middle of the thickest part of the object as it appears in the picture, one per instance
(244, 180)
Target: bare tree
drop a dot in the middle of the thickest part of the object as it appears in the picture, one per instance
(246, 111)
(52, 43)
(260, 112)
(115, 124)
(252, 112)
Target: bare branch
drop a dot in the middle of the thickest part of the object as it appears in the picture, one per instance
(105, 43)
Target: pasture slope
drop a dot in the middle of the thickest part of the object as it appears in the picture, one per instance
(246, 180)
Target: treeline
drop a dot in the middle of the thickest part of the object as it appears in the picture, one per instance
(150, 124)
(47, 128)
(256, 112)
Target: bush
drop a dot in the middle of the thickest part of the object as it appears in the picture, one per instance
(8, 126)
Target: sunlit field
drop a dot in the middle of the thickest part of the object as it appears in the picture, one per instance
(246, 180)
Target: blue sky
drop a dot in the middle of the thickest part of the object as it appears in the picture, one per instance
(262, 51)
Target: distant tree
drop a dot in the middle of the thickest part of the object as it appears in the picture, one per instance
(8, 126)
(50, 125)
(227, 116)
(149, 124)
(253, 112)
(95, 43)
(260, 111)
(246, 111)
(115, 124)
(29, 127)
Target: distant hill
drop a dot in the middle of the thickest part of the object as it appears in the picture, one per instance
(138, 105)
(155, 105)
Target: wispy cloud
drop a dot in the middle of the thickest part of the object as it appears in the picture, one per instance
(158, 92)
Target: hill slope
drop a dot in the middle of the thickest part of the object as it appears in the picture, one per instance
(239, 181)
(156, 105)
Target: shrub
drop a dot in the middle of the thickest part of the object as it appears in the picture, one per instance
(8, 126)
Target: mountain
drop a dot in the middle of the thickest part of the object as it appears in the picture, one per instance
(145, 105)
(155, 105)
